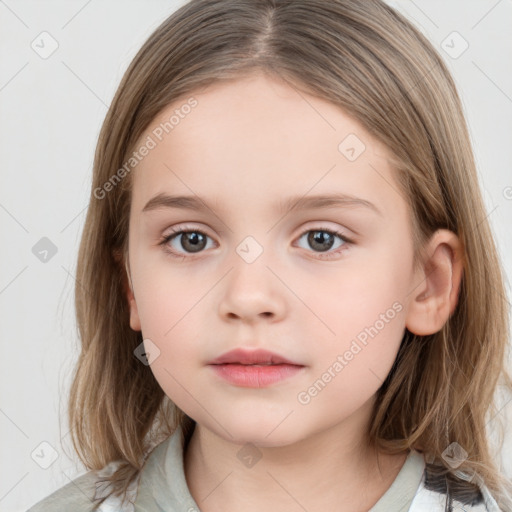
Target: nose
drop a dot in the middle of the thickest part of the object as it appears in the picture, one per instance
(251, 292)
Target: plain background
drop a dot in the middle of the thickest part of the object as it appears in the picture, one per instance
(51, 110)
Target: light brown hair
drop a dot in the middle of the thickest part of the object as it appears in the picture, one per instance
(374, 64)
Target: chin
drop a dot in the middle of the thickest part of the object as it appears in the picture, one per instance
(265, 433)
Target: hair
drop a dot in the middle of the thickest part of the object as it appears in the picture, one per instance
(369, 60)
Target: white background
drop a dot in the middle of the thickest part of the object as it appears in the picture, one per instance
(51, 111)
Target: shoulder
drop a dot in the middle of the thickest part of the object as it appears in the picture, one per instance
(78, 495)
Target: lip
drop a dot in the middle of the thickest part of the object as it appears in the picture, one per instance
(255, 368)
(259, 356)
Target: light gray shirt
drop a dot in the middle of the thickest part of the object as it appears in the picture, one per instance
(161, 487)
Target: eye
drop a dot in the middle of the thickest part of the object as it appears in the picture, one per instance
(179, 243)
(323, 239)
(192, 241)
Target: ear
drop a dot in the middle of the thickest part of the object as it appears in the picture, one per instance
(134, 312)
(437, 284)
(128, 289)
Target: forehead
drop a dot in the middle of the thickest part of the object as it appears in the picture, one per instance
(257, 138)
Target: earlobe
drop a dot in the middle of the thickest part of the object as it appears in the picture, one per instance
(437, 285)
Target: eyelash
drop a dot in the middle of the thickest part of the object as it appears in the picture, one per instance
(330, 231)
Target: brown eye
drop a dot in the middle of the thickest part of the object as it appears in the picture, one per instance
(192, 241)
(180, 243)
(322, 240)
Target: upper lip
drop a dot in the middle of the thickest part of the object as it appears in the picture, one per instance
(259, 356)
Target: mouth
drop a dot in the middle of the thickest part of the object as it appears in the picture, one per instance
(254, 364)
(254, 369)
(257, 357)
(255, 375)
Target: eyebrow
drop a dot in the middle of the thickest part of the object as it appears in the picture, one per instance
(164, 201)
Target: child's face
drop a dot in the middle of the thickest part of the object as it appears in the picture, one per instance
(264, 277)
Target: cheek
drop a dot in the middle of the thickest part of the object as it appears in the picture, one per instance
(172, 318)
(356, 296)
(167, 296)
(171, 315)
(350, 369)
(364, 308)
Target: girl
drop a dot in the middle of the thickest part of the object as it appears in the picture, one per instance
(288, 293)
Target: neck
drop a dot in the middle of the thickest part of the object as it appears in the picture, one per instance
(326, 470)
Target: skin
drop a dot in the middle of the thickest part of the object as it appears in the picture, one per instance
(247, 145)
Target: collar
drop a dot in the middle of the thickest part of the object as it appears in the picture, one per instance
(162, 485)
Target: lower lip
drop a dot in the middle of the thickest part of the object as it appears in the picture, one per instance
(253, 376)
